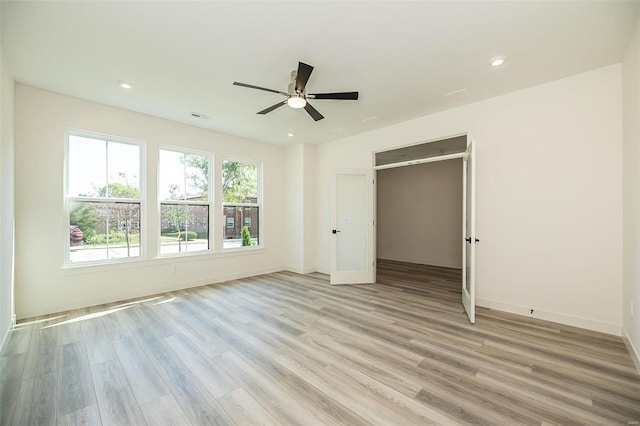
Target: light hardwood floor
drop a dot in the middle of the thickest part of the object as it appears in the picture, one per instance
(291, 349)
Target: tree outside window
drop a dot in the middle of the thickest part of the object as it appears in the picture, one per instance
(184, 206)
(240, 198)
(240, 204)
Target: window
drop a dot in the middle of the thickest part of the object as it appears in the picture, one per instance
(183, 188)
(240, 204)
(103, 198)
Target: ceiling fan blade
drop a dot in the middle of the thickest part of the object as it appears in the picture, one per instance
(347, 96)
(313, 112)
(271, 108)
(304, 72)
(251, 86)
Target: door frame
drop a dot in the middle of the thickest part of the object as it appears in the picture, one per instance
(443, 157)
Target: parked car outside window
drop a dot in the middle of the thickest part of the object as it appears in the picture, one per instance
(75, 234)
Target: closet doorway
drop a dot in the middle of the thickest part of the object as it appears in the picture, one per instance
(425, 206)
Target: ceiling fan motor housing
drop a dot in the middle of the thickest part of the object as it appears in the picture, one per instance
(291, 89)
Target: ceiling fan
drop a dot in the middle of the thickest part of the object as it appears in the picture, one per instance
(297, 96)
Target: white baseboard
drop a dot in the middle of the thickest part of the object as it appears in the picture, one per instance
(575, 321)
(206, 281)
(7, 335)
(439, 264)
(219, 279)
(635, 356)
(237, 276)
(302, 271)
(171, 286)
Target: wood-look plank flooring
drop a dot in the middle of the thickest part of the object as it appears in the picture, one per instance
(291, 349)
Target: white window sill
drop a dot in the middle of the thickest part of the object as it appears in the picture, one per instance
(202, 256)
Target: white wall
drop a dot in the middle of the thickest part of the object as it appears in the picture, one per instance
(309, 214)
(42, 285)
(419, 217)
(631, 188)
(6, 199)
(549, 215)
(295, 207)
(300, 224)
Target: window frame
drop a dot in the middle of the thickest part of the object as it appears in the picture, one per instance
(69, 199)
(259, 204)
(210, 203)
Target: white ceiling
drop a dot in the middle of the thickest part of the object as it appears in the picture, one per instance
(402, 57)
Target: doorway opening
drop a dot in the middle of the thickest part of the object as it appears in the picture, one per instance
(425, 216)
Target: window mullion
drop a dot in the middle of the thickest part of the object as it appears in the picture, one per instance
(107, 191)
(105, 200)
(184, 176)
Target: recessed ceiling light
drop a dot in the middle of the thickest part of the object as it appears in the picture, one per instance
(125, 85)
(291, 134)
(497, 61)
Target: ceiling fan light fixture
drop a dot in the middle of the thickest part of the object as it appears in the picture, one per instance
(497, 61)
(296, 101)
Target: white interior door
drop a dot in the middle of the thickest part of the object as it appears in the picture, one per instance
(352, 236)
(469, 232)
